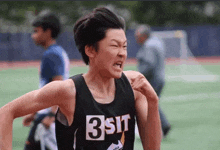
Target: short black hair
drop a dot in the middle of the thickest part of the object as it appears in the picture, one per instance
(48, 21)
(91, 28)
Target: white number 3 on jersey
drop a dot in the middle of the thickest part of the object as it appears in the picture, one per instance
(95, 127)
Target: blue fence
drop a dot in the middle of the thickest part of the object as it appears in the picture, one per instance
(202, 41)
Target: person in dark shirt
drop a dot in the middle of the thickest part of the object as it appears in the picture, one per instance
(54, 66)
(97, 108)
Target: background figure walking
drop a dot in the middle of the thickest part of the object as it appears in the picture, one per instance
(151, 63)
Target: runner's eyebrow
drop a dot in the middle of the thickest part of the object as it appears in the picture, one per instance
(119, 41)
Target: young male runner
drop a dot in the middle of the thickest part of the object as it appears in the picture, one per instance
(96, 109)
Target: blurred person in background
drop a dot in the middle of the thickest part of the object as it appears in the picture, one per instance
(151, 63)
(54, 66)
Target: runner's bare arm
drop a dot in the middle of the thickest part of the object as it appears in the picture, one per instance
(30, 117)
(61, 93)
(147, 108)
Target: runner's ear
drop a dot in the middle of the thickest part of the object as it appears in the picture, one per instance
(90, 51)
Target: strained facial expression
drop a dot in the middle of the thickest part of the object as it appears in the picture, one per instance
(112, 53)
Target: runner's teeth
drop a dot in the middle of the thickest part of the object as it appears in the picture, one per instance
(117, 65)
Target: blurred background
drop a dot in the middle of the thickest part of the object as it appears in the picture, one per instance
(190, 30)
(200, 19)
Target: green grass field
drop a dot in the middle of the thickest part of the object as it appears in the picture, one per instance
(192, 108)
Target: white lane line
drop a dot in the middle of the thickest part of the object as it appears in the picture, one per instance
(189, 97)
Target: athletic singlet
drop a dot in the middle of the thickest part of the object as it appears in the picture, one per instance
(99, 126)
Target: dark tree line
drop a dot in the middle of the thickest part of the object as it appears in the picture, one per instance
(155, 13)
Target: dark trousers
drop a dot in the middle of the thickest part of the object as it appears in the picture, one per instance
(164, 122)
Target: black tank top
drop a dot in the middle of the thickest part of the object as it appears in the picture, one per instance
(99, 126)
